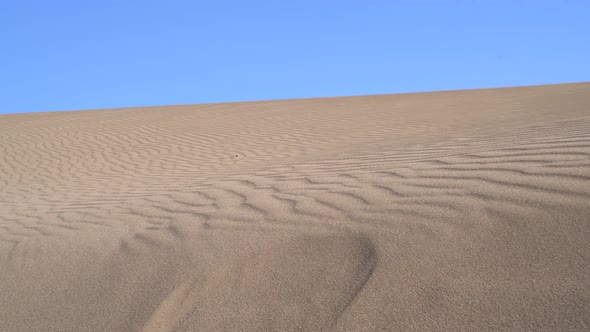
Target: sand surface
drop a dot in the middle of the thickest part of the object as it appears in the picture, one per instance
(446, 211)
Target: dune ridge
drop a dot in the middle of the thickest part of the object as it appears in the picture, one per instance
(453, 210)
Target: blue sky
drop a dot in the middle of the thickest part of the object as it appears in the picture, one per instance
(68, 55)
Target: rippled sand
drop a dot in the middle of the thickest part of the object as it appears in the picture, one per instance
(458, 210)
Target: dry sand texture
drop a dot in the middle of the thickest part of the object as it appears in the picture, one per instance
(459, 210)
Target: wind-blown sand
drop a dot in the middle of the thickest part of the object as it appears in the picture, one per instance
(458, 210)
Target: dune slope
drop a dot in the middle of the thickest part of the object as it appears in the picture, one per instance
(456, 210)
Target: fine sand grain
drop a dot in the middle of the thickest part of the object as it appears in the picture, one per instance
(447, 211)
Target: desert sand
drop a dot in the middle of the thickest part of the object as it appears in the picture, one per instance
(447, 211)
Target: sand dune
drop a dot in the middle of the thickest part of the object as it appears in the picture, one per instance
(459, 210)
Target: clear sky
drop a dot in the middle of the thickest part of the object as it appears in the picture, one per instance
(71, 54)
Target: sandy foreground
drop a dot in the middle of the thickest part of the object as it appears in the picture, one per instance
(458, 210)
